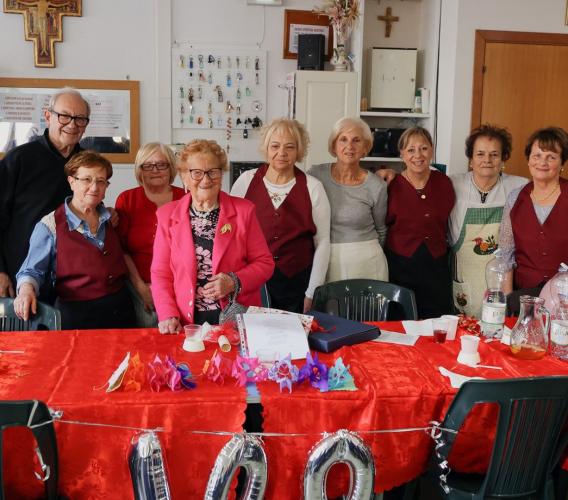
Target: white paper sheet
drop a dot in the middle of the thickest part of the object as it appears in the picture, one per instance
(282, 333)
(456, 380)
(396, 338)
(422, 328)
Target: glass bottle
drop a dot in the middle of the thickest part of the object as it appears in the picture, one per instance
(559, 314)
(494, 302)
(529, 337)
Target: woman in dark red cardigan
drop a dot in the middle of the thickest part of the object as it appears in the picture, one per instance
(419, 205)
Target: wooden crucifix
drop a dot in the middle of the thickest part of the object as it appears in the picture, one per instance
(388, 18)
(42, 24)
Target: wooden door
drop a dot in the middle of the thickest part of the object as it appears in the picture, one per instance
(521, 83)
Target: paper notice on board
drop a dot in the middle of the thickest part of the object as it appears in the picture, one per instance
(281, 333)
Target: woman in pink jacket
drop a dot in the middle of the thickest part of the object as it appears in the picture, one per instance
(208, 244)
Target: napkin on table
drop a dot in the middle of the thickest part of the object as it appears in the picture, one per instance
(456, 380)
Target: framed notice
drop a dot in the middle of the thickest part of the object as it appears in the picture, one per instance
(302, 22)
(112, 131)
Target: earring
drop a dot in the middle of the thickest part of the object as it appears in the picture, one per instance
(502, 166)
(185, 188)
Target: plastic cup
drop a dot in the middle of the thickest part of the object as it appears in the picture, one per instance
(193, 342)
(468, 354)
(452, 325)
(440, 329)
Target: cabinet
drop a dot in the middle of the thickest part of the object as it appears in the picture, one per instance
(318, 99)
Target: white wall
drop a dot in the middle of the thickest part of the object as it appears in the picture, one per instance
(460, 20)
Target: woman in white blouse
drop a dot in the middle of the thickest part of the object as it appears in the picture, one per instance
(294, 214)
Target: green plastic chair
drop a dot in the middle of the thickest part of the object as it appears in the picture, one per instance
(366, 300)
(46, 318)
(529, 440)
(29, 414)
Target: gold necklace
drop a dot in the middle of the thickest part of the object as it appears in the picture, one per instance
(544, 198)
(419, 190)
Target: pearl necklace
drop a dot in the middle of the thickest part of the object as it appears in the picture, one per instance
(482, 192)
(203, 214)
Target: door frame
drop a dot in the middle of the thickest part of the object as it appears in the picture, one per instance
(482, 37)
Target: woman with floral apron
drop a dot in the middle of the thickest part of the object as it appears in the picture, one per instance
(474, 223)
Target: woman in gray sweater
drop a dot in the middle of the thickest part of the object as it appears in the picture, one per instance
(358, 202)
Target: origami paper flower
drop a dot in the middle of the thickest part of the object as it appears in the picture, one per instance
(315, 372)
(339, 377)
(284, 372)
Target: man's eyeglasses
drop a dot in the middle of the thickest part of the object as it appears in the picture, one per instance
(197, 174)
(161, 165)
(63, 119)
(89, 181)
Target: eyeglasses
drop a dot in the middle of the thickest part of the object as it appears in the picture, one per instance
(89, 181)
(161, 165)
(197, 174)
(63, 119)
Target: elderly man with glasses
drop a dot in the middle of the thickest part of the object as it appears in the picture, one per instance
(33, 182)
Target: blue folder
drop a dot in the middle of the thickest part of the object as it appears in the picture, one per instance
(339, 332)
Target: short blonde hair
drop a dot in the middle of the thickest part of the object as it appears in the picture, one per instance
(414, 132)
(348, 123)
(293, 127)
(146, 151)
(204, 147)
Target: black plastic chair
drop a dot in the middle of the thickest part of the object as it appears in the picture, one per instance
(30, 414)
(366, 300)
(530, 437)
(46, 318)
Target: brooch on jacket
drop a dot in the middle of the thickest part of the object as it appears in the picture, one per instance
(226, 228)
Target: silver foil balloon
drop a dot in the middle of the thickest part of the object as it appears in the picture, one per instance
(340, 447)
(148, 469)
(244, 451)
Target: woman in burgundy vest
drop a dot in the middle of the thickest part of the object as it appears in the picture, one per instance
(533, 230)
(294, 214)
(77, 248)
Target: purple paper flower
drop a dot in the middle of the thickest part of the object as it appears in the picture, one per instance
(315, 372)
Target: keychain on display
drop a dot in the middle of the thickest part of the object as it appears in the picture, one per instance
(210, 123)
(228, 107)
(229, 80)
(209, 108)
(199, 93)
(238, 62)
(190, 118)
(210, 59)
(219, 121)
(256, 122)
(190, 62)
(238, 108)
(256, 79)
(257, 63)
(229, 132)
(245, 133)
(238, 93)
(181, 61)
(181, 93)
(219, 93)
(247, 62)
(190, 74)
(210, 78)
(190, 95)
(228, 61)
(199, 120)
(200, 59)
(201, 76)
(182, 110)
(218, 63)
(248, 92)
(239, 76)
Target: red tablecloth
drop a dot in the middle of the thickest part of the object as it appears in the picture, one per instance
(64, 368)
(398, 387)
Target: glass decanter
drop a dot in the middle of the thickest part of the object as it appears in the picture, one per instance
(529, 337)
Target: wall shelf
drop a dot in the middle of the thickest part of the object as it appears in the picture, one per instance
(395, 114)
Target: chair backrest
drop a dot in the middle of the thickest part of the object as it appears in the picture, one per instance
(532, 416)
(366, 300)
(31, 414)
(264, 296)
(46, 318)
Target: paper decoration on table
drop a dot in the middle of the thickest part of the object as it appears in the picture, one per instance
(396, 338)
(217, 368)
(115, 380)
(186, 377)
(163, 374)
(421, 328)
(339, 378)
(456, 380)
(284, 373)
(248, 370)
(214, 333)
(134, 376)
(469, 324)
(282, 333)
(306, 319)
(315, 372)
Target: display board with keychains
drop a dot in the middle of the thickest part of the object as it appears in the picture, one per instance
(218, 88)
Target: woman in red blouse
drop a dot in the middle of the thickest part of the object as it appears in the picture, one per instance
(419, 205)
(155, 170)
